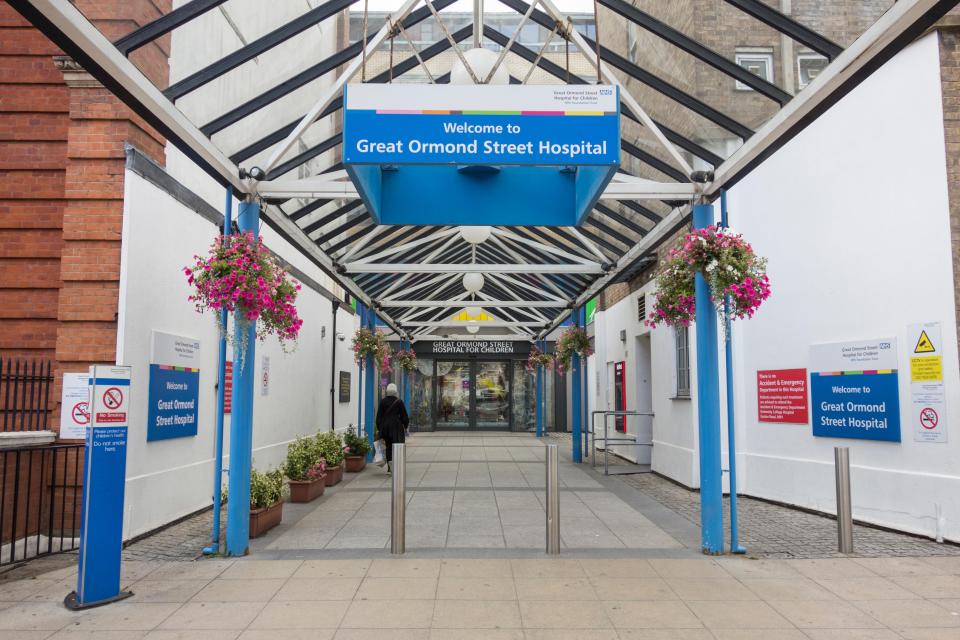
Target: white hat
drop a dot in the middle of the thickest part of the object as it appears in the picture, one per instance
(391, 389)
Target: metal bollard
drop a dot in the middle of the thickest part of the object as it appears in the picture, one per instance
(841, 459)
(398, 501)
(553, 500)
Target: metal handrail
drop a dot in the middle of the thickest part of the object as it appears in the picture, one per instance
(607, 439)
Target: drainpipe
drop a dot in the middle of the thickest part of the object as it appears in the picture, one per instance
(333, 367)
(731, 431)
(221, 383)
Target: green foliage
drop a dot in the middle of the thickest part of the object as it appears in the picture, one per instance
(356, 445)
(302, 454)
(266, 489)
(330, 446)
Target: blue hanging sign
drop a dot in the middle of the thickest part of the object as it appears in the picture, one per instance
(481, 154)
(174, 391)
(104, 478)
(855, 391)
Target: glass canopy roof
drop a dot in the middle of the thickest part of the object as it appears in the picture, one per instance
(705, 85)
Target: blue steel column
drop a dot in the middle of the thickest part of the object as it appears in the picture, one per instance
(539, 393)
(576, 391)
(731, 427)
(221, 383)
(584, 389)
(406, 379)
(241, 419)
(363, 322)
(370, 389)
(708, 405)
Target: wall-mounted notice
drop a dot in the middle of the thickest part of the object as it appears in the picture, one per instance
(782, 396)
(344, 387)
(928, 407)
(854, 390)
(265, 376)
(172, 409)
(228, 388)
(74, 412)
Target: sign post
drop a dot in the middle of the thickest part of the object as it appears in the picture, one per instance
(104, 476)
(928, 406)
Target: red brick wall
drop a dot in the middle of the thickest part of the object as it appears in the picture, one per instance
(62, 139)
(950, 85)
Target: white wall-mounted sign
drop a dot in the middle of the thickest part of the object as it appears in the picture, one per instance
(928, 407)
(74, 408)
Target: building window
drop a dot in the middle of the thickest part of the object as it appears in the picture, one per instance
(809, 66)
(759, 62)
(683, 362)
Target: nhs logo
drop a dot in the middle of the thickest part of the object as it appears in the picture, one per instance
(606, 92)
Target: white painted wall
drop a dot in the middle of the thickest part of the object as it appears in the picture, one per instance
(674, 422)
(853, 216)
(168, 479)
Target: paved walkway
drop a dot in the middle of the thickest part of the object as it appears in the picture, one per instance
(477, 492)
(503, 599)
(482, 494)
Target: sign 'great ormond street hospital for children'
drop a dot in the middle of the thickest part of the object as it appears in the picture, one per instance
(462, 154)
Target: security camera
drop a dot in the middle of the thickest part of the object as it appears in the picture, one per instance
(341, 337)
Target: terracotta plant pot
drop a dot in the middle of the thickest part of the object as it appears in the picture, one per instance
(355, 464)
(334, 474)
(307, 490)
(262, 520)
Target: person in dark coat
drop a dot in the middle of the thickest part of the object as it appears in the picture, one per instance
(392, 421)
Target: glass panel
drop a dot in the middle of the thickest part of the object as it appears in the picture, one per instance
(524, 398)
(421, 395)
(453, 389)
(493, 395)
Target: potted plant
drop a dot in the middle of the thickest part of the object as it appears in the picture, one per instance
(305, 469)
(240, 275)
(735, 274)
(266, 501)
(538, 359)
(573, 340)
(367, 342)
(329, 446)
(355, 450)
(406, 359)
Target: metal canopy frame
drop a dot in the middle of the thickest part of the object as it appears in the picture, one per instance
(534, 276)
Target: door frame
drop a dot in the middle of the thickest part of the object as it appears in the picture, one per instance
(474, 363)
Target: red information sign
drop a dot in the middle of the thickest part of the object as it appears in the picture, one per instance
(782, 396)
(228, 388)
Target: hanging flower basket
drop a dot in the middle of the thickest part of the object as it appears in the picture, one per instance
(574, 340)
(241, 276)
(538, 359)
(406, 359)
(372, 343)
(730, 267)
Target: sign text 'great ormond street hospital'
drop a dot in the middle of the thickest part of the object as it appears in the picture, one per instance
(482, 124)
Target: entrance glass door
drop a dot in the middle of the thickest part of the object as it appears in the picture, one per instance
(492, 395)
(453, 395)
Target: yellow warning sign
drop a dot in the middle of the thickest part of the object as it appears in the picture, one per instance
(926, 369)
(924, 344)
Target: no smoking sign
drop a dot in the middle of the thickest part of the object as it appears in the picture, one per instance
(81, 413)
(929, 418)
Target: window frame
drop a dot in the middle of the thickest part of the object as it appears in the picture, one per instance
(682, 361)
(807, 55)
(744, 54)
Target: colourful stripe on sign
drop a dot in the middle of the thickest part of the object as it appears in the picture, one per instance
(454, 112)
(167, 367)
(866, 372)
